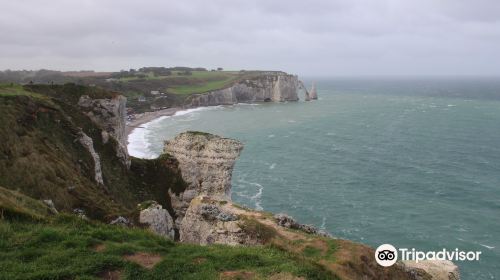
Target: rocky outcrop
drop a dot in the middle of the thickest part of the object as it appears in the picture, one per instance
(286, 221)
(313, 93)
(435, 270)
(303, 88)
(51, 205)
(206, 163)
(87, 142)
(269, 86)
(121, 221)
(158, 220)
(110, 114)
(209, 221)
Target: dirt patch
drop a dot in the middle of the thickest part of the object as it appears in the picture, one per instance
(99, 247)
(111, 275)
(146, 260)
(199, 260)
(238, 274)
(285, 276)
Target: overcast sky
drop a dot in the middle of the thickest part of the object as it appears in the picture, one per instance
(329, 37)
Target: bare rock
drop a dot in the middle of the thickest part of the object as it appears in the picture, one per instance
(158, 220)
(209, 221)
(268, 86)
(121, 221)
(51, 206)
(105, 136)
(87, 142)
(206, 163)
(432, 269)
(110, 114)
(80, 213)
(286, 221)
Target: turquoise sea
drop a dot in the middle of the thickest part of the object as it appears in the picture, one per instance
(414, 162)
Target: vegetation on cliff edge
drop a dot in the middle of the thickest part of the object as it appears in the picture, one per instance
(67, 247)
(41, 156)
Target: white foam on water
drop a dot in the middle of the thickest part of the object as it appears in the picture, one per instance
(138, 144)
(272, 166)
(247, 104)
(257, 197)
(189, 111)
(486, 246)
(323, 224)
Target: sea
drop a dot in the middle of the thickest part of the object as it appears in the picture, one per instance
(409, 161)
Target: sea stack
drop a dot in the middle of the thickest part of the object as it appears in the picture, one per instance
(312, 94)
(306, 93)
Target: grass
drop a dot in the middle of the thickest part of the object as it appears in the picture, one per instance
(322, 249)
(15, 204)
(204, 81)
(65, 247)
(257, 230)
(205, 87)
(42, 158)
(197, 82)
(17, 90)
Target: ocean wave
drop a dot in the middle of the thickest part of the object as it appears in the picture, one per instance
(255, 198)
(323, 224)
(247, 104)
(138, 144)
(192, 110)
(486, 246)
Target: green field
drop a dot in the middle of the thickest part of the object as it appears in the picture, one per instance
(197, 82)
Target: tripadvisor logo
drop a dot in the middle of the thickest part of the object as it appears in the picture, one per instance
(387, 255)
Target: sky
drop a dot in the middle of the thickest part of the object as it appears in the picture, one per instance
(313, 37)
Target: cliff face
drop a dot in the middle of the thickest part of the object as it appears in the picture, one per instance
(276, 87)
(110, 114)
(206, 162)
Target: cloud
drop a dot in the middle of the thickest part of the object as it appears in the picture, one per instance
(336, 37)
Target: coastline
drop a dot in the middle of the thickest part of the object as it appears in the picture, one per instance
(140, 119)
(137, 145)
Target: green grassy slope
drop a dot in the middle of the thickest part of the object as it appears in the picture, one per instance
(66, 247)
(15, 204)
(40, 155)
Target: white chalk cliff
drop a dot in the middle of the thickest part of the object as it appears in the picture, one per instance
(274, 86)
(110, 115)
